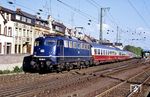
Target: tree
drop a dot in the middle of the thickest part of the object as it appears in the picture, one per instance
(135, 50)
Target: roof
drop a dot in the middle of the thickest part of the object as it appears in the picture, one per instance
(20, 12)
(63, 38)
(58, 24)
(104, 46)
(6, 10)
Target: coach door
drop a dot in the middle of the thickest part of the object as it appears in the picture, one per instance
(60, 50)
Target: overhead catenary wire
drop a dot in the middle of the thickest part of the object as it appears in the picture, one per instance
(30, 9)
(146, 7)
(96, 3)
(138, 13)
(78, 11)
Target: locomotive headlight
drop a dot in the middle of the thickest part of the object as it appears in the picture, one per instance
(41, 59)
(42, 50)
(48, 63)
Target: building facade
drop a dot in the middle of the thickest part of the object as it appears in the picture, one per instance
(6, 31)
(18, 31)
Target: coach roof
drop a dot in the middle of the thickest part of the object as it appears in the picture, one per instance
(104, 47)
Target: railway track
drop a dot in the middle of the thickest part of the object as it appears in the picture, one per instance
(124, 86)
(4, 79)
(62, 83)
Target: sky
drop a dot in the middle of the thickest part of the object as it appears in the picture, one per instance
(131, 16)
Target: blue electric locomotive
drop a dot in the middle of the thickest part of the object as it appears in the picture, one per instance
(58, 53)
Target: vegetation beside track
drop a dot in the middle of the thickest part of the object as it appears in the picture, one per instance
(15, 70)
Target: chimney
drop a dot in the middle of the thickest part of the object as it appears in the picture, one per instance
(18, 9)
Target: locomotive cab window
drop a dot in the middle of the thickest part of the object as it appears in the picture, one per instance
(50, 42)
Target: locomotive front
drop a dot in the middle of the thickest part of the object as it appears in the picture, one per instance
(44, 50)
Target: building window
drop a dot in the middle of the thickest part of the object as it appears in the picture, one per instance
(9, 31)
(19, 49)
(28, 20)
(15, 48)
(5, 30)
(24, 32)
(37, 22)
(0, 29)
(0, 48)
(18, 17)
(7, 16)
(57, 28)
(42, 24)
(23, 19)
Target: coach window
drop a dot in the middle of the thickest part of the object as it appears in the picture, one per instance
(101, 52)
(119, 53)
(98, 51)
(94, 51)
(110, 52)
(70, 44)
(65, 43)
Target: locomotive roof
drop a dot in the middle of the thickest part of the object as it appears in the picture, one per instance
(62, 38)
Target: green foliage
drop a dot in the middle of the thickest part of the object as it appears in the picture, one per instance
(135, 50)
(16, 70)
(1, 72)
(6, 71)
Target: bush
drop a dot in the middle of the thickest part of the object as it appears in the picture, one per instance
(17, 69)
(6, 71)
(1, 72)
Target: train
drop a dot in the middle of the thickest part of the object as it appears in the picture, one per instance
(58, 53)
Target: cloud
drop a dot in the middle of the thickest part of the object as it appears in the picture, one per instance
(105, 27)
(140, 28)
